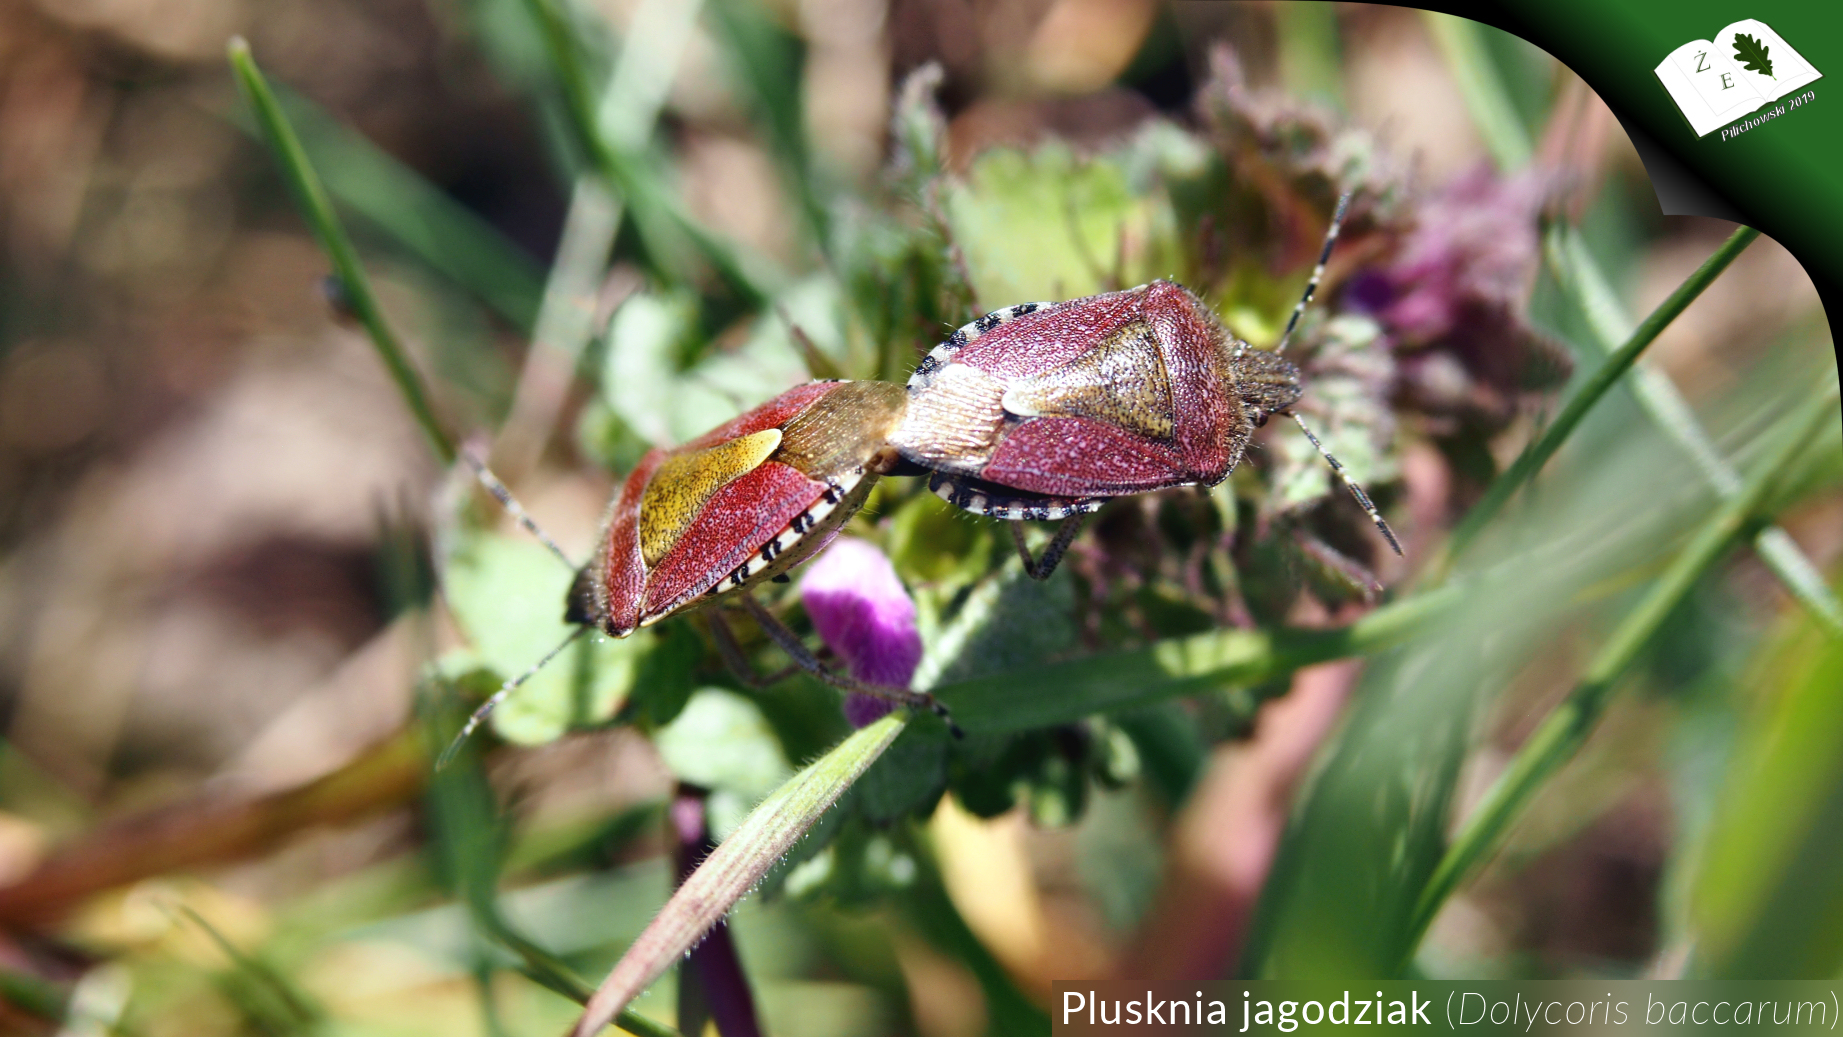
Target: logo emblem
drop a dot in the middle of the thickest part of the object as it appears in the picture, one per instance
(1746, 67)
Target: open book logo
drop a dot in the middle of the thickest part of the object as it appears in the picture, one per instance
(1747, 66)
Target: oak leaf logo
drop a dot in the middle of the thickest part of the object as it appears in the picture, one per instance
(1751, 53)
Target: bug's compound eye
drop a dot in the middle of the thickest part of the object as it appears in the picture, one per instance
(1258, 416)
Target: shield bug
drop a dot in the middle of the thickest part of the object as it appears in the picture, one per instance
(704, 523)
(1043, 411)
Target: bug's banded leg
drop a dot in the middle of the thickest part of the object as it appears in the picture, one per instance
(1356, 491)
(790, 643)
(1042, 567)
(738, 663)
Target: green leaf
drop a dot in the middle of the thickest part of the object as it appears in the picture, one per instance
(909, 778)
(507, 595)
(1751, 53)
(663, 683)
(721, 742)
(1047, 225)
(649, 387)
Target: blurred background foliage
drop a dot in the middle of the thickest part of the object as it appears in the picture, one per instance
(239, 597)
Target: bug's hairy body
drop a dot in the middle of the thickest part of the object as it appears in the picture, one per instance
(1044, 409)
(737, 506)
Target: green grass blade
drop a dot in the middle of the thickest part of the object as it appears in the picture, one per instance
(1567, 727)
(1767, 891)
(1574, 267)
(33, 996)
(629, 109)
(564, 326)
(657, 212)
(438, 231)
(1060, 693)
(1310, 62)
(1575, 270)
(469, 842)
(735, 867)
(311, 196)
(768, 62)
(1482, 87)
(1590, 393)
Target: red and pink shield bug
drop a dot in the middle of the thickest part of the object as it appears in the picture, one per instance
(704, 523)
(1043, 411)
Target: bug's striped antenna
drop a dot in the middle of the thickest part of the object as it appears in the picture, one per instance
(478, 716)
(1318, 272)
(504, 496)
(1355, 490)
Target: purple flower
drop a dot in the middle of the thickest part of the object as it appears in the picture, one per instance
(1453, 300)
(711, 983)
(862, 611)
(1476, 242)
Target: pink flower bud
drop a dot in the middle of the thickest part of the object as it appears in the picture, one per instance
(861, 609)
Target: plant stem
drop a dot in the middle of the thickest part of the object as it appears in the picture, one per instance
(1065, 692)
(1538, 453)
(350, 274)
(1569, 724)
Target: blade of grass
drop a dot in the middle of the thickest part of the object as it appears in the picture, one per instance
(564, 326)
(1528, 463)
(1574, 266)
(1482, 87)
(769, 62)
(1582, 280)
(630, 106)
(34, 996)
(1767, 890)
(1568, 725)
(1310, 63)
(735, 867)
(311, 196)
(282, 1005)
(470, 846)
(438, 231)
(1064, 692)
(657, 212)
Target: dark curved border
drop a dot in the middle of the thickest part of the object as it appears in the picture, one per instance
(1787, 183)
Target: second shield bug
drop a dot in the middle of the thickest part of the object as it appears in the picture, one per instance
(1043, 411)
(705, 523)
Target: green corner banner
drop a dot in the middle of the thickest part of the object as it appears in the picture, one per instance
(1777, 165)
